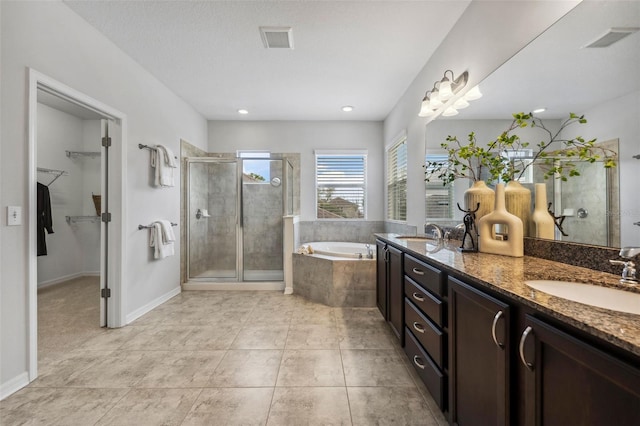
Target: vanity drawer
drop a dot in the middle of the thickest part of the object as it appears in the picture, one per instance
(427, 276)
(429, 336)
(432, 307)
(430, 374)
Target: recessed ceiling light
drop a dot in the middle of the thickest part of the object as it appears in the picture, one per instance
(243, 111)
(539, 110)
(347, 108)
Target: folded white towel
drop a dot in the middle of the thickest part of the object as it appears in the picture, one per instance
(155, 240)
(164, 162)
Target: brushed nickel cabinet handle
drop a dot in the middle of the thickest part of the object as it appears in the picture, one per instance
(418, 271)
(525, 334)
(493, 329)
(417, 363)
(418, 327)
(417, 297)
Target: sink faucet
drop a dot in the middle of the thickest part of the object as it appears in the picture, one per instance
(436, 231)
(629, 252)
(629, 270)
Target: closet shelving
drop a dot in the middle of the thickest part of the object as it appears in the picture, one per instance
(56, 173)
(71, 220)
(78, 154)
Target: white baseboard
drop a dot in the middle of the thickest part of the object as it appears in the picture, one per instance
(151, 305)
(14, 385)
(201, 285)
(67, 278)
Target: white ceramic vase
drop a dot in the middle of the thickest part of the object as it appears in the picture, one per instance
(518, 202)
(543, 223)
(510, 240)
(479, 192)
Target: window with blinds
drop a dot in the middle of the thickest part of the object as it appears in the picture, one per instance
(341, 185)
(397, 181)
(440, 202)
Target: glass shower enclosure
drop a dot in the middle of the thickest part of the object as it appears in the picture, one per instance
(235, 212)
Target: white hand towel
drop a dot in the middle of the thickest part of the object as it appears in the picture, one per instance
(169, 158)
(155, 240)
(164, 176)
(167, 232)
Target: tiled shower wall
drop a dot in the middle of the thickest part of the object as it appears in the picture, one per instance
(211, 247)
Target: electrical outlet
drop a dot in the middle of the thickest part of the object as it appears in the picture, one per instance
(14, 215)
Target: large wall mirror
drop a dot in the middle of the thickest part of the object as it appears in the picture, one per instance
(558, 72)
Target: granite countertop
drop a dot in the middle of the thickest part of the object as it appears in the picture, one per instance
(507, 275)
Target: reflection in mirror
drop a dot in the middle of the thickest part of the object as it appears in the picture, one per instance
(558, 72)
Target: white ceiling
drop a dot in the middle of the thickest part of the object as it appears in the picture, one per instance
(359, 53)
(556, 72)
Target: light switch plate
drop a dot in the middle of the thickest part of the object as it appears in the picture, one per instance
(14, 215)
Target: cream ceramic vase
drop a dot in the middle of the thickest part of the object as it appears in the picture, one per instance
(518, 202)
(543, 223)
(510, 240)
(479, 193)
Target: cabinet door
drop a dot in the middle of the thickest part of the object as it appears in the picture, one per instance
(570, 382)
(478, 357)
(381, 278)
(396, 292)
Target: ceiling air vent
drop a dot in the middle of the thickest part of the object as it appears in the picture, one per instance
(611, 36)
(277, 37)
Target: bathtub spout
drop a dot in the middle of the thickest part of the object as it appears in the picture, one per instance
(369, 252)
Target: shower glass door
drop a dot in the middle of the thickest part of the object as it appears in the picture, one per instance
(263, 189)
(213, 220)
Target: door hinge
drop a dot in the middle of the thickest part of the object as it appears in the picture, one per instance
(106, 217)
(106, 141)
(105, 293)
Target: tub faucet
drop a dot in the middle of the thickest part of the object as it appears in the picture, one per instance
(369, 251)
(629, 270)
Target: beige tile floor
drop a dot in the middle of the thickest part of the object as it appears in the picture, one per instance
(218, 358)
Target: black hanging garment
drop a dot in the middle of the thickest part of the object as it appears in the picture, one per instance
(44, 218)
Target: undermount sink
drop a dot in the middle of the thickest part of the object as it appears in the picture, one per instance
(602, 297)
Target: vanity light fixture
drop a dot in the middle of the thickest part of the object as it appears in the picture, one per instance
(450, 112)
(473, 94)
(243, 111)
(347, 108)
(443, 90)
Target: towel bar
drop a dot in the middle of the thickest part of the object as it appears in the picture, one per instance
(150, 148)
(151, 226)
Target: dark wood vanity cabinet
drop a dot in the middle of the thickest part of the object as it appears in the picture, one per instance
(488, 359)
(425, 325)
(479, 350)
(389, 286)
(568, 381)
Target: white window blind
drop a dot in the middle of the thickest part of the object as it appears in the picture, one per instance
(397, 181)
(341, 185)
(440, 202)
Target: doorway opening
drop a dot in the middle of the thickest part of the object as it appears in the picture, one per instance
(75, 217)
